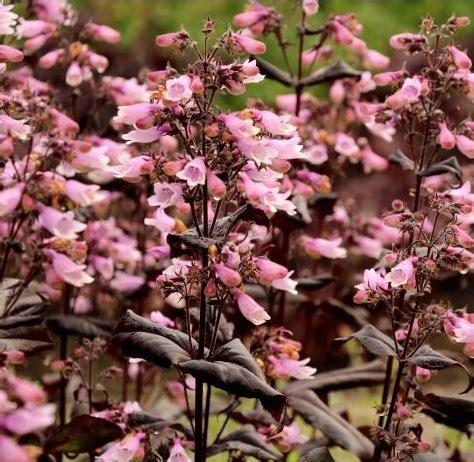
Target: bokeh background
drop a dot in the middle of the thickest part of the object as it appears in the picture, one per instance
(140, 21)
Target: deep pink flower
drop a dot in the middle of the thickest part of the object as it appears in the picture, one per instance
(387, 78)
(249, 308)
(461, 60)
(228, 276)
(465, 145)
(446, 138)
(8, 53)
(240, 43)
(103, 33)
(268, 270)
(216, 186)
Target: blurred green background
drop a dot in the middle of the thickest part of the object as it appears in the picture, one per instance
(140, 21)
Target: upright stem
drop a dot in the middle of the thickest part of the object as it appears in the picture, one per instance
(63, 356)
(299, 88)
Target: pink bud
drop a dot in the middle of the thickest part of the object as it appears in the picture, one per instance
(8, 53)
(310, 7)
(50, 59)
(197, 86)
(446, 138)
(386, 78)
(242, 44)
(422, 374)
(216, 186)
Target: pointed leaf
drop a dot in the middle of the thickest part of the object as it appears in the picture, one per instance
(141, 338)
(335, 71)
(273, 72)
(400, 159)
(434, 360)
(367, 375)
(78, 325)
(21, 323)
(450, 166)
(248, 442)
(233, 369)
(332, 425)
(373, 340)
(317, 455)
(83, 434)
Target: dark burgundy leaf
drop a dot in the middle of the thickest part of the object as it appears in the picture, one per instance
(273, 72)
(454, 412)
(333, 426)
(83, 434)
(335, 71)
(367, 375)
(248, 442)
(317, 455)
(151, 423)
(79, 325)
(314, 283)
(400, 159)
(21, 321)
(373, 340)
(141, 338)
(190, 240)
(233, 369)
(450, 166)
(434, 360)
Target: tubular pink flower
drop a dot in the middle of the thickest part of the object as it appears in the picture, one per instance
(67, 270)
(465, 145)
(249, 308)
(446, 139)
(461, 60)
(329, 248)
(228, 276)
(10, 199)
(268, 270)
(240, 43)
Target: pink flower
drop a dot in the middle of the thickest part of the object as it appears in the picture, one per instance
(10, 199)
(387, 78)
(228, 276)
(7, 19)
(249, 308)
(194, 172)
(446, 138)
(64, 124)
(11, 451)
(275, 124)
(178, 89)
(166, 195)
(374, 59)
(14, 127)
(268, 270)
(177, 452)
(29, 419)
(329, 248)
(161, 220)
(286, 368)
(400, 41)
(103, 33)
(217, 187)
(60, 224)
(179, 40)
(67, 270)
(83, 194)
(74, 75)
(130, 448)
(465, 145)
(230, 256)
(291, 436)
(8, 53)
(340, 33)
(409, 93)
(461, 60)
(240, 43)
(159, 318)
(286, 283)
(310, 7)
(402, 274)
(346, 145)
(132, 169)
(463, 238)
(372, 161)
(126, 283)
(369, 246)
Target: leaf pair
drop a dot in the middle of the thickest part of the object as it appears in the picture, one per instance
(230, 368)
(379, 344)
(21, 320)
